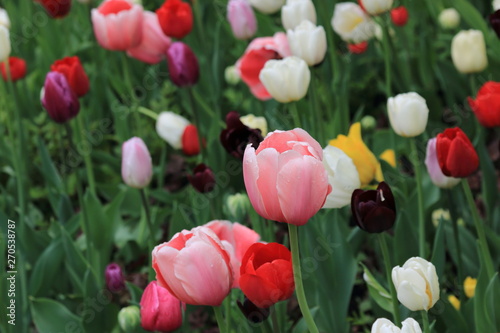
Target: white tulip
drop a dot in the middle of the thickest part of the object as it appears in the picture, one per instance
(4, 18)
(267, 6)
(255, 122)
(287, 79)
(351, 23)
(4, 43)
(342, 176)
(408, 114)
(308, 42)
(375, 7)
(496, 5)
(296, 11)
(416, 284)
(449, 18)
(170, 127)
(410, 325)
(468, 51)
(383, 325)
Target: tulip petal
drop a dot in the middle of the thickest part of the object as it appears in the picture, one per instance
(250, 177)
(280, 273)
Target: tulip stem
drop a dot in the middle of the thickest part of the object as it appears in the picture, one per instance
(297, 275)
(483, 245)
(147, 112)
(295, 114)
(388, 270)
(425, 320)
(387, 58)
(274, 318)
(151, 240)
(86, 157)
(420, 200)
(456, 236)
(220, 319)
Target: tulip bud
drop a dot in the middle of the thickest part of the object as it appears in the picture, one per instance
(190, 141)
(17, 69)
(129, 318)
(232, 75)
(432, 164)
(454, 301)
(236, 136)
(308, 42)
(496, 5)
(374, 211)
(5, 48)
(376, 7)
(495, 22)
(438, 215)
(56, 8)
(74, 73)
(456, 154)
(176, 18)
(170, 127)
(410, 325)
(383, 325)
(267, 6)
(286, 80)
(468, 51)
(114, 278)
(237, 205)
(399, 16)
(137, 168)
(182, 65)
(368, 123)
(470, 286)
(4, 18)
(296, 11)
(449, 18)
(252, 312)
(342, 176)
(160, 310)
(242, 19)
(254, 122)
(203, 179)
(417, 284)
(358, 48)
(58, 98)
(351, 23)
(408, 114)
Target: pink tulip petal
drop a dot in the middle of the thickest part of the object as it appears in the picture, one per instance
(250, 176)
(244, 237)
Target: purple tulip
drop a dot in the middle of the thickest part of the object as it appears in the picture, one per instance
(114, 277)
(137, 168)
(495, 22)
(182, 65)
(203, 179)
(242, 18)
(58, 98)
(374, 210)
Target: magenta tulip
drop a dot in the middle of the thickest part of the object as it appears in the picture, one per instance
(182, 65)
(114, 277)
(160, 311)
(242, 18)
(58, 98)
(137, 168)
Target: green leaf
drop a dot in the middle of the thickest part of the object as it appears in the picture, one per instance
(377, 292)
(482, 316)
(76, 265)
(46, 268)
(50, 316)
(49, 171)
(470, 15)
(438, 250)
(135, 293)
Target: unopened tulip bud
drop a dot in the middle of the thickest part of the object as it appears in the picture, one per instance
(470, 286)
(439, 215)
(129, 318)
(267, 6)
(408, 114)
(296, 11)
(399, 16)
(114, 277)
(17, 69)
(202, 179)
(255, 122)
(160, 310)
(170, 127)
(308, 41)
(5, 47)
(449, 18)
(182, 65)
(468, 51)
(175, 18)
(232, 75)
(237, 206)
(137, 168)
(410, 325)
(368, 123)
(58, 98)
(4, 18)
(190, 141)
(383, 325)
(242, 18)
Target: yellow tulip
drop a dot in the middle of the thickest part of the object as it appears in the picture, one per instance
(366, 163)
(389, 156)
(470, 286)
(454, 301)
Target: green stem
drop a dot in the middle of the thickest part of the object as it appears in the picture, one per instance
(274, 318)
(456, 236)
(483, 245)
(295, 114)
(297, 275)
(86, 157)
(387, 57)
(147, 112)
(388, 270)
(425, 319)
(220, 319)
(418, 180)
(151, 239)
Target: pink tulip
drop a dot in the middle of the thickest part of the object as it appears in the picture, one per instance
(285, 178)
(118, 24)
(194, 267)
(154, 43)
(242, 18)
(437, 176)
(236, 239)
(137, 168)
(160, 311)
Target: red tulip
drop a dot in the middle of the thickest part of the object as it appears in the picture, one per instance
(56, 8)
(399, 16)
(456, 154)
(182, 65)
(17, 69)
(486, 107)
(160, 311)
(358, 48)
(176, 18)
(190, 141)
(267, 274)
(74, 73)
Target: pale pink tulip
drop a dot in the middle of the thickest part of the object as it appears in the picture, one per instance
(154, 43)
(194, 267)
(118, 24)
(437, 176)
(137, 168)
(285, 178)
(242, 18)
(160, 311)
(236, 239)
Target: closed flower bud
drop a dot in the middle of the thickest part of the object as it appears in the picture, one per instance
(232, 75)
(342, 176)
(202, 179)
(449, 18)
(267, 6)
(176, 18)
(286, 80)
(5, 47)
(351, 23)
(137, 167)
(383, 325)
(74, 73)
(182, 65)
(58, 98)
(170, 127)
(438, 215)
(470, 286)
(495, 22)
(236, 136)
(241, 18)
(17, 69)
(358, 48)
(252, 312)
(114, 278)
(118, 24)
(374, 211)
(308, 42)
(160, 310)
(255, 122)
(376, 7)
(399, 16)
(408, 114)
(296, 11)
(129, 318)
(410, 325)
(456, 154)
(190, 141)
(417, 284)
(56, 8)
(368, 123)
(432, 164)
(468, 51)
(4, 18)
(237, 206)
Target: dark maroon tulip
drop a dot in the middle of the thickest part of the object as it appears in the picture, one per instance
(114, 277)
(237, 136)
(203, 179)
(56, 8)
(182, 65)
(58, 98)
(252, 312)
(374, 210)
(495, 22)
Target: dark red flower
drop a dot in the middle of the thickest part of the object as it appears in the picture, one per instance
(182, 65)
(495, 22)
(74, 73)
(202, 179)
(358, 48)
(486, 106)
(237, 136)
(58, 98)
(374, 210)
(56, 8)
(456, 154)
(17, 69)
(267, 274)
(176, 18)
(399, 16)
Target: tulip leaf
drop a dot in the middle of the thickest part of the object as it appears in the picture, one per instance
(46, 268)
(438, 250)
(377, 292)
(471, 15)
(51, 316)
(453, 319)
(301, 326)
(75, 262)
(135, 293)
(483, 316)
(491, 304)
